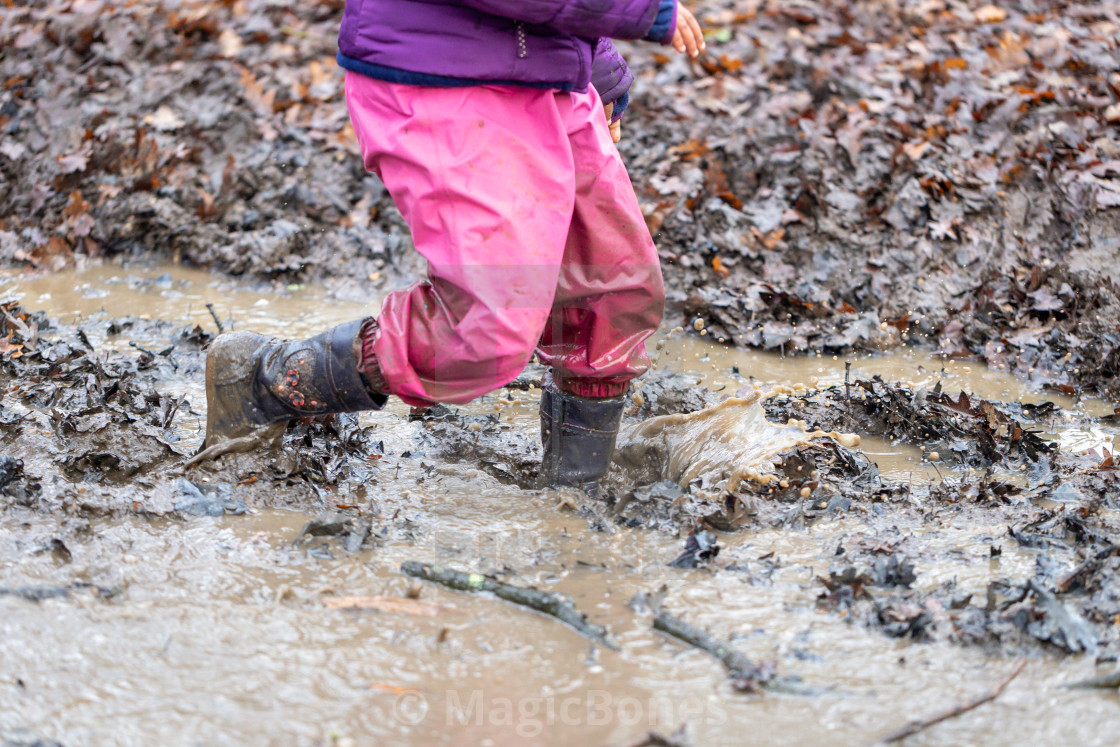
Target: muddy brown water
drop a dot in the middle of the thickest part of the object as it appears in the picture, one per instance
(222, 635)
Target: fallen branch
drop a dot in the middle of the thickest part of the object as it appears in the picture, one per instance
(916, 726)
(745, 674)
(548, 603)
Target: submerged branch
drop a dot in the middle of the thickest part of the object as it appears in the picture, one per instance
(745, 674)
(548, 603)
(916, 726)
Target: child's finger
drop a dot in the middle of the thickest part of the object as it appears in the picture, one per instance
(697, 33)
(683, 40)
(688, 32)
(616, 131)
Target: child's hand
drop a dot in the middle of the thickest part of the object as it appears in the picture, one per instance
(688, 38)
(615, 127)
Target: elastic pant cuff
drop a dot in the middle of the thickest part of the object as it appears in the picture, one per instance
(368, 366)
(594, 388)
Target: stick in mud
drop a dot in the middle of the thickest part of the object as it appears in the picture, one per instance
(745, 674)
(548, 603)
(914, 727)
(214, 315)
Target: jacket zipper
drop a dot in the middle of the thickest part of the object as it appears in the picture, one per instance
(522, 48)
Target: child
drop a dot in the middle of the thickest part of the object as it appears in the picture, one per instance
(479, 118)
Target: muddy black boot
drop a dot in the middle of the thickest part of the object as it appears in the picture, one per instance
(253, 380)
(578, 436)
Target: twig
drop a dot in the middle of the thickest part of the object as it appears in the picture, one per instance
(548, 603)
(145, 351)
(270, 434)
(745, 674)
(916, 726)
(173, 407)
(214, 315)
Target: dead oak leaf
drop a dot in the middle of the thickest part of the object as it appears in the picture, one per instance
(12, 149)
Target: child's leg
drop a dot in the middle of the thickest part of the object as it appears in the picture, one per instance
(484, 178)
(610, 296)
(609, 299)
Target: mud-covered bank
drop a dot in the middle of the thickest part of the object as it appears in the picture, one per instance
(828, 177)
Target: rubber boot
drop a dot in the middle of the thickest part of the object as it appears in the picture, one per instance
(253, 380)
(578, 436)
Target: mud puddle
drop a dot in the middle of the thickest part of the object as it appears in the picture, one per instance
(152, 623)
(221, 630)
(179, 294)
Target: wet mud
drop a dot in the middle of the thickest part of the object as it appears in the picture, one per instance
(963, 527)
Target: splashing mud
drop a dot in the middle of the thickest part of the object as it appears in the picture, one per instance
(718, 446)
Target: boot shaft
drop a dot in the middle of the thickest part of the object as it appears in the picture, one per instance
(578, 437)
(317, 376)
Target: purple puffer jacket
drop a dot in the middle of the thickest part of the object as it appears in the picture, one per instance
(561, 44)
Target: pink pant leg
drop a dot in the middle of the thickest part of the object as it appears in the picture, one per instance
(485, 180)
(610, 296)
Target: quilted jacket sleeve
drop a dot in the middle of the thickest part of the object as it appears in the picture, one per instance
(610, 75)
(620, 19)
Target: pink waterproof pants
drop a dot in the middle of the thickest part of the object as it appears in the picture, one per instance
(522, 206)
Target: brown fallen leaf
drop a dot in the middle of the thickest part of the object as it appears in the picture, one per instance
(915, 151)
(10, 349)
(990, 14)
(73, 162)
(773, 238)
(229, 41)
(394, 605)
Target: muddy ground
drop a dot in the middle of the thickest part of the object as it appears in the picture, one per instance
(830, 178)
